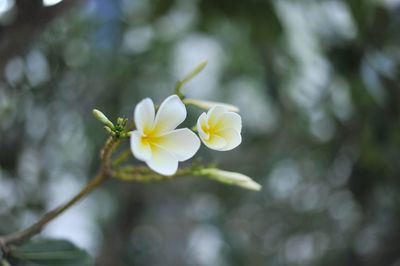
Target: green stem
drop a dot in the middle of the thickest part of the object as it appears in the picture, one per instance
(121, 158)
(144, 174)
(193, 73)
(178, 89)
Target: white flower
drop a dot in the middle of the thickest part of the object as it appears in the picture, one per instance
(209, 104)
(220, 129)
(231, 178)
(156, 141)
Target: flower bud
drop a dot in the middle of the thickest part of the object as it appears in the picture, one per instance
(102, 118)
(120, 121)
(231, 178)
(206, 105)
(109, 130)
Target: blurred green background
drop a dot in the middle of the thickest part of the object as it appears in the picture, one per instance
(319, 91)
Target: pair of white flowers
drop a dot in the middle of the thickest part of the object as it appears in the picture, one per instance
(158, 143)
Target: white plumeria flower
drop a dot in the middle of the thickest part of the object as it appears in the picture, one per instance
(156, 141)
(219, 129)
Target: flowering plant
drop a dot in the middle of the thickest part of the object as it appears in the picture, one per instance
(156, 140)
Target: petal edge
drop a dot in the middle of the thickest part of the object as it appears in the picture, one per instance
(172, 113)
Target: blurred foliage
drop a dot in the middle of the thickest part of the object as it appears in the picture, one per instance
(318, 87)
(49, 252)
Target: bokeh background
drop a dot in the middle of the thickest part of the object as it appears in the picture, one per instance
(319, 91)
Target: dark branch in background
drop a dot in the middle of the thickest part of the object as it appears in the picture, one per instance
(117, 234)
(31, 18)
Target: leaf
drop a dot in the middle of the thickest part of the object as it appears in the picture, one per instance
(49, 252)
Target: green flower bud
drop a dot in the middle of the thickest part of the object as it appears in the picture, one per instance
(120, 121)
(230, 178)
(102, 118)
(109, 130)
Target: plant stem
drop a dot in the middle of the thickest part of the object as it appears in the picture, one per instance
(144, 174)
(193, 73)
(121, 157)
(36, 228)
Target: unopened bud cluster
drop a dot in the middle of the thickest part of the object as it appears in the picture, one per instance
(118, 130)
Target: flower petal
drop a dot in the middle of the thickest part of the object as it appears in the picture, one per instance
(201, 123)
(171, 113)
(232, 138)
(215, 142)
(141, 150)
(182, 143)
(144, 115)
(162, 161)
(214, 114)
(229, 120)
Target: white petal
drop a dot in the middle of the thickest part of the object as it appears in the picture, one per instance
(202, 122)
(142, 151)
(144, 115)
(163, 162)
(232, 138)
(214, 114)
(229, 120)
(215, 142)
(171, 113)
(182, 143)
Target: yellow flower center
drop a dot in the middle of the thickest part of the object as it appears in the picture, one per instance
(148, 136)
(209, 130)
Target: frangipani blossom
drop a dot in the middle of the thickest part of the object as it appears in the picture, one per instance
(156, 141)
(220, 129)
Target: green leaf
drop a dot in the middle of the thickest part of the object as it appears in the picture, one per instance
(49, 252)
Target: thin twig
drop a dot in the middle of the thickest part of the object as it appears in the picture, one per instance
(36, 228)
